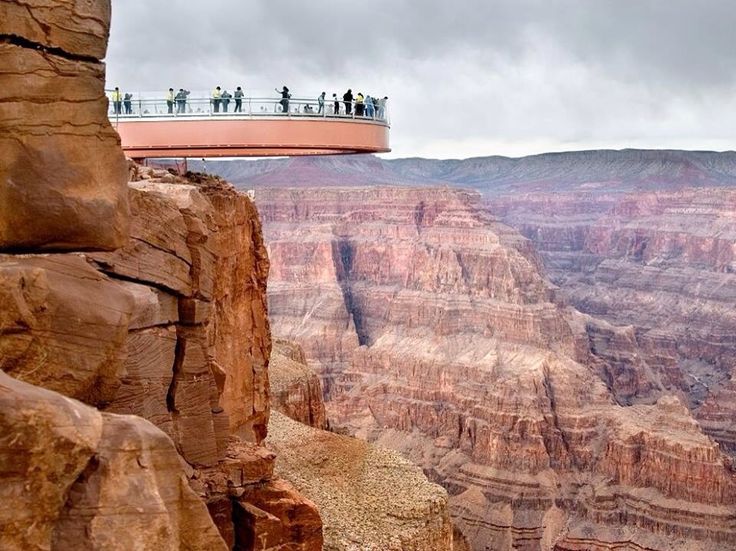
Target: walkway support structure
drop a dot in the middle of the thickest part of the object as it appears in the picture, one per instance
(260, 128)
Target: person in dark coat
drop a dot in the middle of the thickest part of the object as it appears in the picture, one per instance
(181, 100)
(127, 103)
(347, 98)
(285, 95)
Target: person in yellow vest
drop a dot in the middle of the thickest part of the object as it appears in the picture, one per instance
(216, 99)
(117, 101)
(359, 105)
(170, 100)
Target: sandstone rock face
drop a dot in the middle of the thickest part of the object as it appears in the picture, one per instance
(63, 175)
(436, 335)
(295, 387)
(183, 348)
(75, 478)
(369, 498)
(200, 245)
(254, 510)
(673, 252)
(173, 328)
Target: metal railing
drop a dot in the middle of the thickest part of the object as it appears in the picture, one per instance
(190, 107)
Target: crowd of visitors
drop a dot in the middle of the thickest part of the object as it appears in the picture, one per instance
(357, 105)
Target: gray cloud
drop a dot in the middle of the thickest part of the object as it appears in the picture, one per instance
(465, 77)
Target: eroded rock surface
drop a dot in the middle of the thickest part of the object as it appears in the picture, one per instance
(295, 388)
(660, 266)
(63, 174)
(436, 334)
(75, 478)
(173, 328)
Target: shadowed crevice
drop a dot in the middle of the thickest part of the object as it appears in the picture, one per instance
(51, 50)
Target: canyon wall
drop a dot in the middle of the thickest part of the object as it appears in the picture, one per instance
(173, 328)
(661, 265)
(435, 333)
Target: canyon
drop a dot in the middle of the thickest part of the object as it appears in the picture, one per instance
(492, 353)
(436, 332)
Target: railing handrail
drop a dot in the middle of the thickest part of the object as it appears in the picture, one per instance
(173, 107)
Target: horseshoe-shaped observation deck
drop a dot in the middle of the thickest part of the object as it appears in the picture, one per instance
(251, 127)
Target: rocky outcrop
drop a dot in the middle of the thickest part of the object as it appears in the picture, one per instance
(63, 175)
(436, 334)
(369, 497)
(199, 245)
(74, 478)
(173, 328)
(295, 387)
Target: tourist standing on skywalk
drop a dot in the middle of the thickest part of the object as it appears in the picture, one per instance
(216, 99)
(225, 100)
(285, 95)
(347, 98)
(117, 101)
(181, 100)
(170, 100)
(238, 95)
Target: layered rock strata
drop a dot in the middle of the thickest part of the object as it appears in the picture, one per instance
(173, 328)
(369, 498)
(82, 479)
(59, 153)
(295, 388)
(436, 335)
(660, 265)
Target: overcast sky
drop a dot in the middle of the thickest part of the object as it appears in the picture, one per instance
(464, 77)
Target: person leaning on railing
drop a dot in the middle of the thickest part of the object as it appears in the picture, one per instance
(128, 104)
(359, 105)
(382, 107)
(216, 99)
(181, 100)
(285, 95)
(225, 99)
(347, 99)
